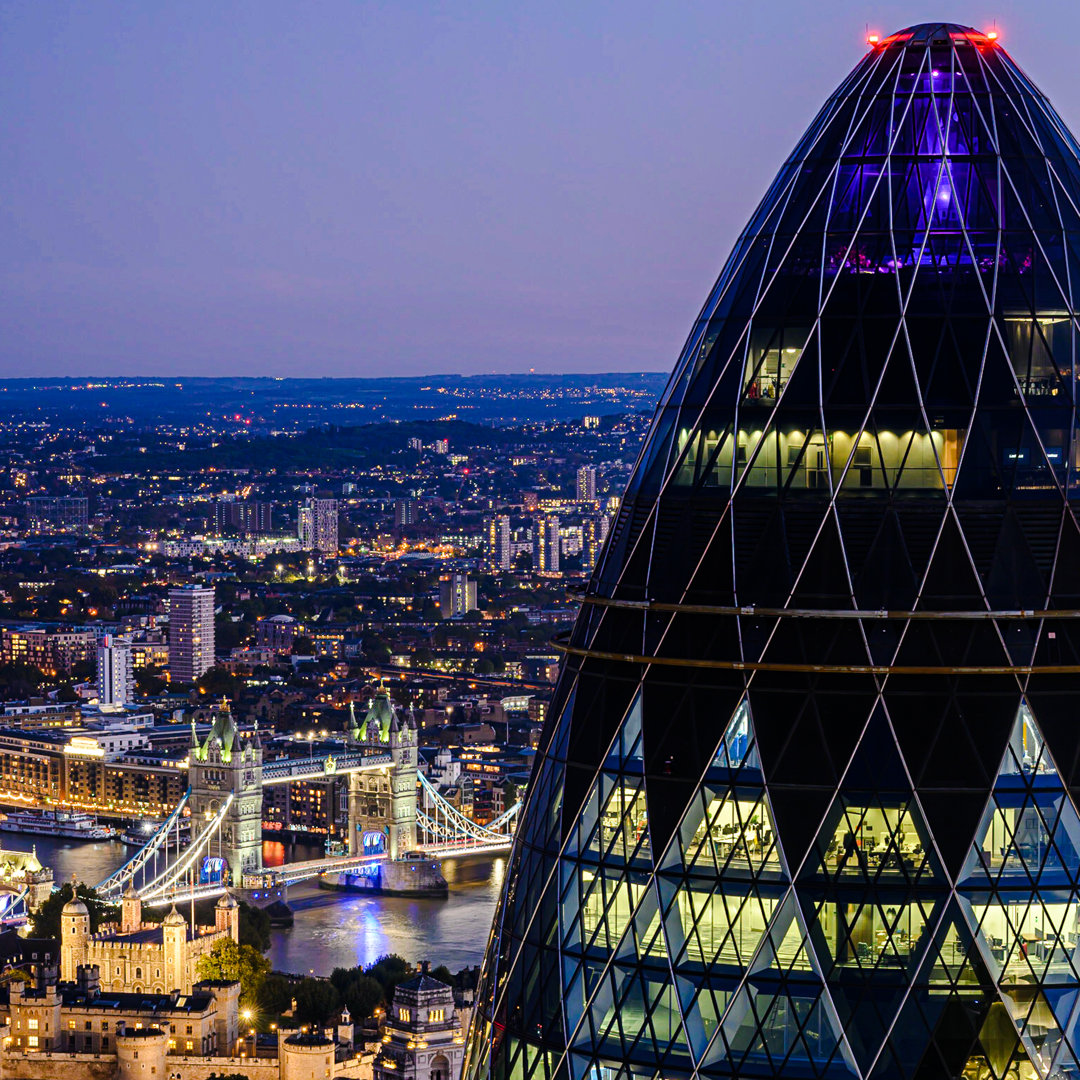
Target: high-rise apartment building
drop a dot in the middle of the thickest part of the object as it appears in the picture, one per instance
(191, 632)
(57, 514)
(807, 802)
(115, 685)
(51, 649)
(546, 545)
(404, 513)
(596, 532)
(586, 483)
(317, 526)
(497, 542)
(457, 596)
(243, 517)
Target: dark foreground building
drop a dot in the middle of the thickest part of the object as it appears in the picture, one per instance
(806, 804)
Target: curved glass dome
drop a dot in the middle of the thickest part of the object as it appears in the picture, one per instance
(806, 801)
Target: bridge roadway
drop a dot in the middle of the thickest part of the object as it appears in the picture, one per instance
(286, 770)
(449, 833)
(293, 873)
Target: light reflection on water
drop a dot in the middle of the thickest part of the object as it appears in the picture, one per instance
(332, 929)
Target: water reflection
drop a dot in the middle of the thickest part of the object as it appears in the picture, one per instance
(333, 929)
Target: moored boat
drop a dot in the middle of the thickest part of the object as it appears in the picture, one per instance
(70, 824)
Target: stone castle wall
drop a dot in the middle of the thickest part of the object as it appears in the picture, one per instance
(49, 1066)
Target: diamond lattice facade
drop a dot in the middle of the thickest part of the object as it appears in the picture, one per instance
(806, 801)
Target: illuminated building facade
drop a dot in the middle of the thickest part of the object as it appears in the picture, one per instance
(317, 526)
(806, 801)
(191, 632)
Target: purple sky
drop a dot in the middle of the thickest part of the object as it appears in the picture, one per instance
(351, 188)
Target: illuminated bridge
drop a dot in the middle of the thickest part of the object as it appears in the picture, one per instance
(396, 817)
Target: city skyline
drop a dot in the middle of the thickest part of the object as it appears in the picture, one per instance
(234, 192)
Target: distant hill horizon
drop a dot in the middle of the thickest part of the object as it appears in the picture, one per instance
(266, 404)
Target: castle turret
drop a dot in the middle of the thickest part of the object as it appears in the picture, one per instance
(306, 1057)
(227, 1022)
(130, 911)
(174, 930)
(346, 1030)
(227, 916)
(140, 1053)
(74, 938)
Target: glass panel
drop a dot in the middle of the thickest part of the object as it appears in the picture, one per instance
(773, 355)
(1030, 940)
(623, 831)
(735, 833)
(873, 935)
(608, 901)
(1040, 352)
(721, 928)
(876, 842)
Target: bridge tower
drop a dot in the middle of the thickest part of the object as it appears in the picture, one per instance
(226, 764)
(384, 801)
(402, 785)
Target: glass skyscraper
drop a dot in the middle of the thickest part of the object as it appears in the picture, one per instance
(806, 801)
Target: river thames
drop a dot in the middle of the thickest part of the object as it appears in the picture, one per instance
(331, 929)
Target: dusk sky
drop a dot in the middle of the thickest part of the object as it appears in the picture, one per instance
(352, 188)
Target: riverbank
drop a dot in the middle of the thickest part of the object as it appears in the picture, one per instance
(330, 929)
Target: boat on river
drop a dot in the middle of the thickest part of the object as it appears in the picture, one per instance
(69, 824)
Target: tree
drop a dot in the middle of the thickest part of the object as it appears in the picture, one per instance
(254, 927)
(303, 646)
(217, 682)
(46, 919)
(363, 996)
(149, 682)
(361, 993)
(390, 970)
(317, 1001)
(230, 962)
(275, 994)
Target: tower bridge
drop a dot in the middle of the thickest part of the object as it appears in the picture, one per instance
(399, 826)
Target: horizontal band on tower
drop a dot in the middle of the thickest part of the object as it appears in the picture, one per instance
(817, 669)
(821, 613)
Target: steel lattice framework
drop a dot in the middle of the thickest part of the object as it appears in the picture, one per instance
(163, 871)
(806, 800)
(144, 860)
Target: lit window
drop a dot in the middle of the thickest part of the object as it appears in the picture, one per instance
(189, 1045)
(435, 1015)
(32, 1042)
(404, 1014)
(32, 1023)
